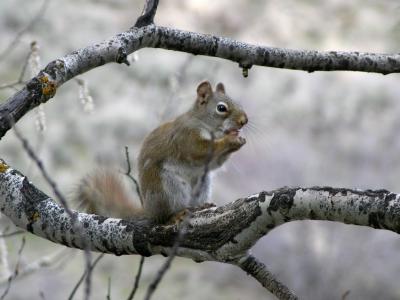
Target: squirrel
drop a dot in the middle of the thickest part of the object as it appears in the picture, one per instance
(174, 163)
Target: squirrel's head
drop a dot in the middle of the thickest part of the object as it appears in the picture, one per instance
(218, 110)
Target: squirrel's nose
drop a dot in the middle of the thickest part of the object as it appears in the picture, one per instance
(243, 120)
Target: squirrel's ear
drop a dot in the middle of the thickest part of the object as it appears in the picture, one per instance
(220, 88)
(204, 90)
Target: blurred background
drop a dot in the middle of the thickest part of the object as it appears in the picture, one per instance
(337, 129)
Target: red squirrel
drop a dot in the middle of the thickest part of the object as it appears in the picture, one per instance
(175, 161)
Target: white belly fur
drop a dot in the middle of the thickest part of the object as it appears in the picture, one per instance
(182, 184)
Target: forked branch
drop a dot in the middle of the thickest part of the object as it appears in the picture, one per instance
(223, 234)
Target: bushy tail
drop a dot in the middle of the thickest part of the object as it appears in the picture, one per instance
(104, 193)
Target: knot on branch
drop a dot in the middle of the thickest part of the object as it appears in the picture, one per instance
(122, 56)
(245, 69)
(55, 70)
(48, 87)
(35, 89)
(282, 200)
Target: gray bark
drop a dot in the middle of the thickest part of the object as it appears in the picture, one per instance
(43, 87)
(223, 234)
(253, 267)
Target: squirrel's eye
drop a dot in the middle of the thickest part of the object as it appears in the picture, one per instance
(222, 108)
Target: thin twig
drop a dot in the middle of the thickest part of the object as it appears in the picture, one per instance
(11, 85)
(164, 268)
(25, 65)
(88, 279)
(183, 225)
(21, 75)
(46, 176)
(41, 294)
(128, 173)
(200, 185)
(109, 289)
(85, 273)
(57, 258)
(30, 25)
(10, 279)
(4, 265)
(149, 11)
(137, 278)
(346, 294)
(63, 201)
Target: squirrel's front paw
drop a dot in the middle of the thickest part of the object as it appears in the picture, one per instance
(236, 142)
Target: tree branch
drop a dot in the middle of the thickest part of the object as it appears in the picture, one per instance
(43, 87)
(16, 270)
(223, 234)
(137, 279)
(220, 234)
(149, 11)
(84, 275)
(258, 270)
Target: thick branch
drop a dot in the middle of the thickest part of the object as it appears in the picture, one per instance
(222, 234)
(42, 87)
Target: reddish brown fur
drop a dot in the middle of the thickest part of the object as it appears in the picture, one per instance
(103, 193)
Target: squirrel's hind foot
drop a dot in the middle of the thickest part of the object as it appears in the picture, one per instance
(178, 217)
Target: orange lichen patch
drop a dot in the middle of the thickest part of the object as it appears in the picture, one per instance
(3, 167)
(49, 87)
(35, 216)
(44, 79)
(49, 90)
